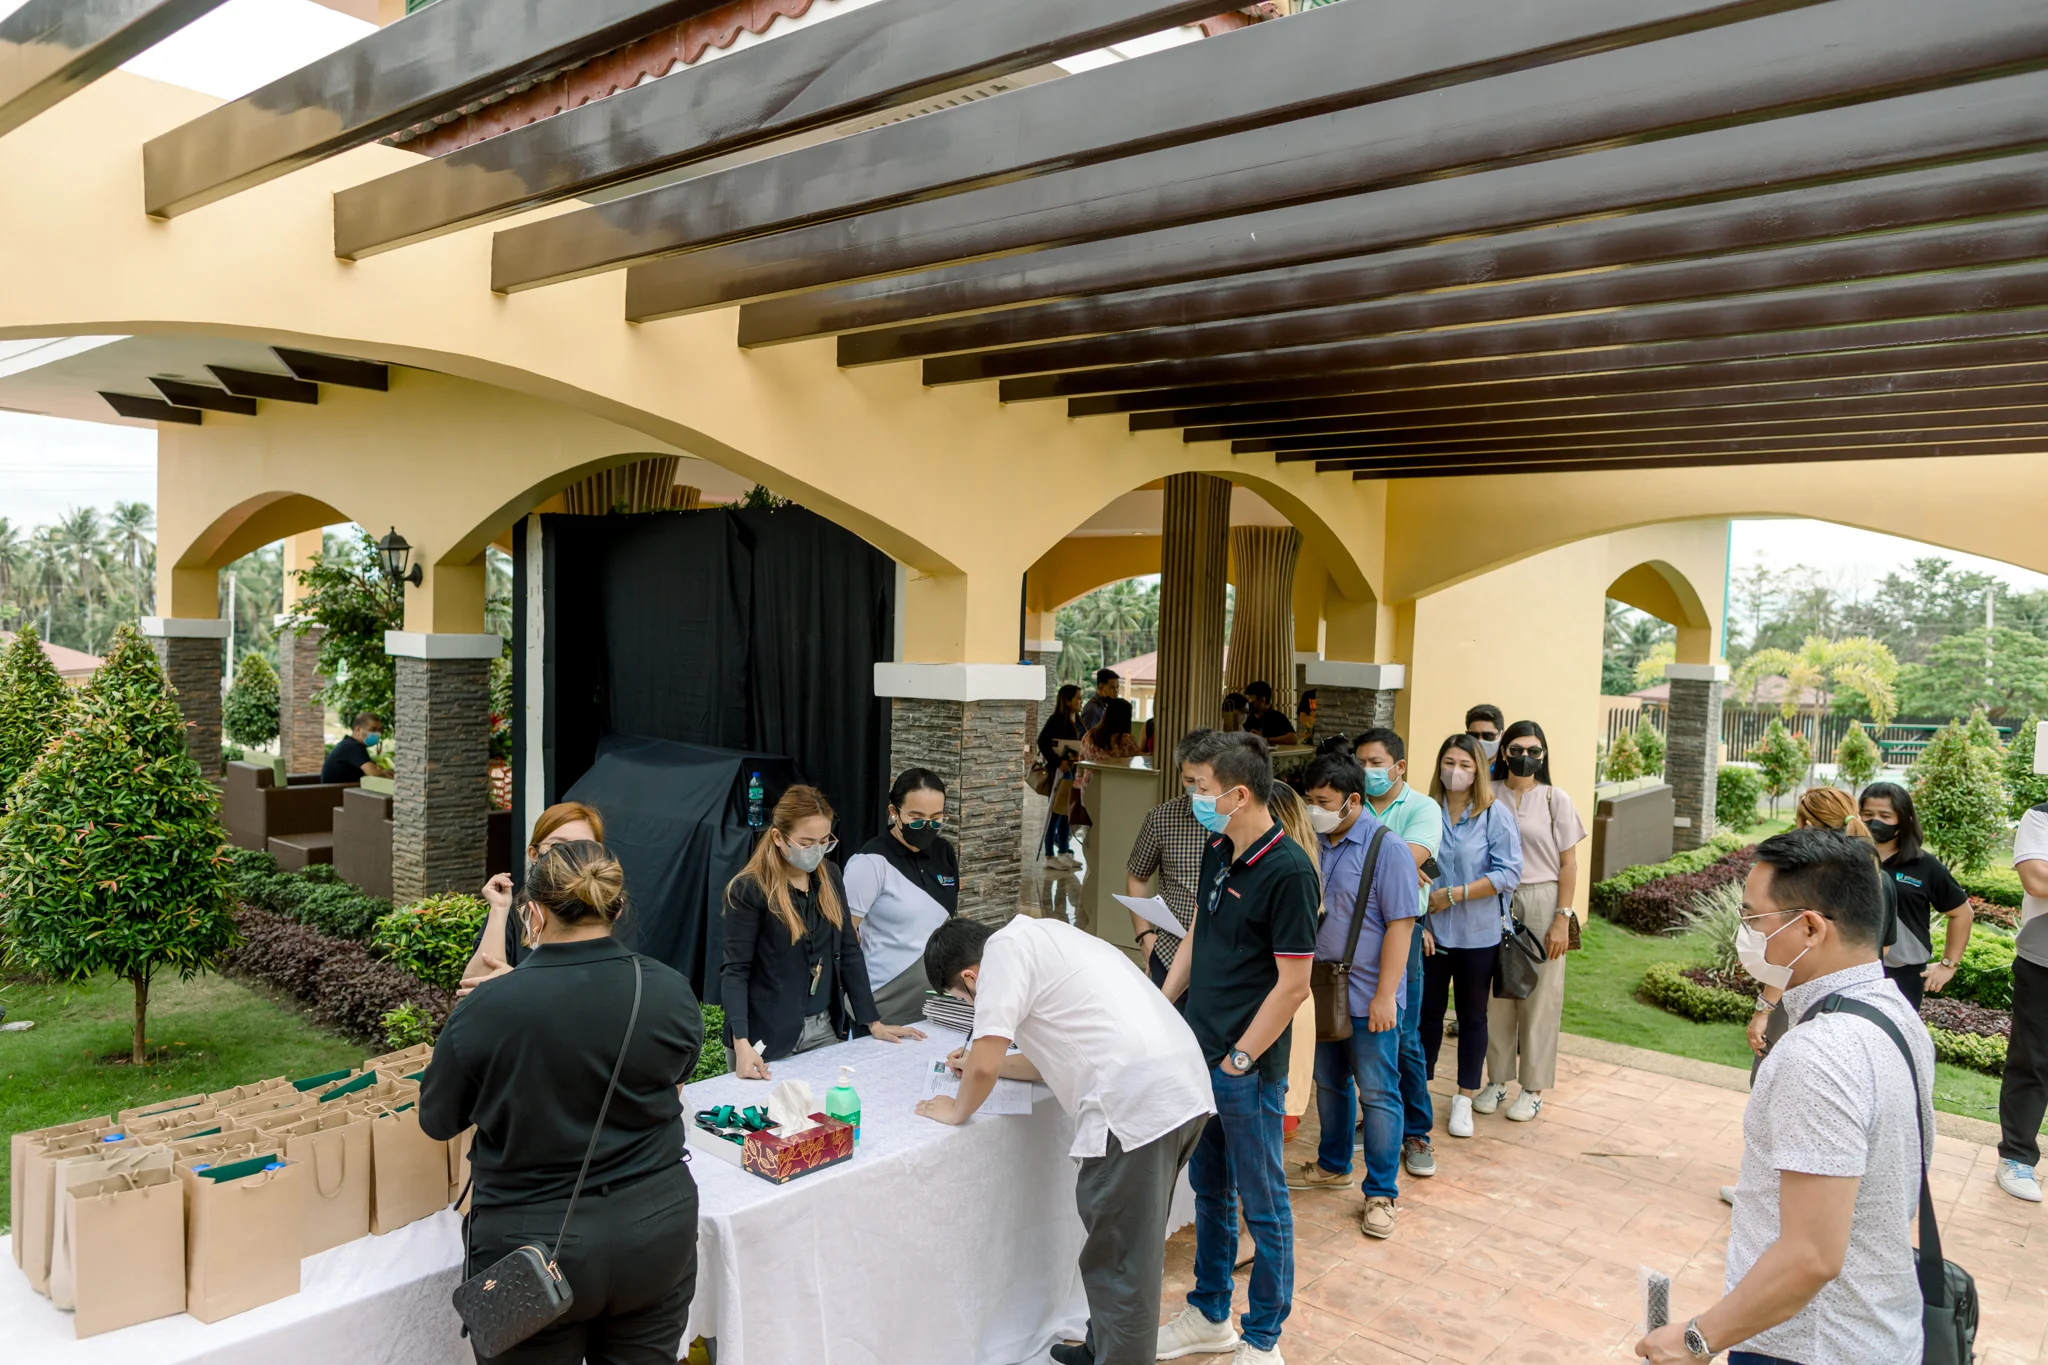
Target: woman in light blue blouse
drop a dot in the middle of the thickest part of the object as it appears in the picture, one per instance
(1480, 864)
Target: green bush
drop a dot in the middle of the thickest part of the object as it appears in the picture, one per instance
(1999, 885)
(1605, 897)
(1782, 760)
(316, 897)
(35, 705)
(2024, 787)
(1710, 925)
(1985, 975)
(1737, 789)
(1857, 757)
(711, 1060)
(1624, 760)
(248, 713)
(1650, 747)
(1666, 987)
(433, 938)
(1974, 1051)
(407, 1026)
(1959, 792)
(1981, 732)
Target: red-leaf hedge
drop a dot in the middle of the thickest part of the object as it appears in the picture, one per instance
(1659, 907)
(337, 980)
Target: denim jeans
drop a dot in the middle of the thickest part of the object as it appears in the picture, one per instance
(1059, 833)
(1239, 1158)
(1362, 1073)
(1417, 1116)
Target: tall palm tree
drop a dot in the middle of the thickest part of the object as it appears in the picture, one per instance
(129, 525)
(13, 556)
(80, 534)
(51, 559)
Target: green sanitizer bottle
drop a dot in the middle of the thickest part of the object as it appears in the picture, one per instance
(842, 1102)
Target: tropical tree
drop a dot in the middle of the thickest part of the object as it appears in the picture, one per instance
(1858, 757)
(2025, 788)
(1650, 668)
(1782, 759)
(1959, 793)
(129, 526)
(1650, 747)
(13, 555)
(34, 706)
(1819, 668)
(2004, 671)
(349, 594)
(1624, 760)
(1981, 732)
(113, 857)
(248, 713)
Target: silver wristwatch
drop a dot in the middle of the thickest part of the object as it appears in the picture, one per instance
(1695, 1342)
(1763, 1006)
(1242, 1060)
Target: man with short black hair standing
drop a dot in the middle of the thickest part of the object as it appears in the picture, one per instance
(1820, 1252)
(1245, 968)
(1169, 846)
(1108, 682)
(1484, 723)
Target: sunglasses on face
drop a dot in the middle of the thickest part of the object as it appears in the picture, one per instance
(1526, 751)
(936, 822)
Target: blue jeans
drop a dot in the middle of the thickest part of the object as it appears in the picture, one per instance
(1239, 1157)
(1417, 1116)
(1059, 831)
(1362, 1072)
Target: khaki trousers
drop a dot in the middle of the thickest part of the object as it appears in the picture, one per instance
(1529, 1027)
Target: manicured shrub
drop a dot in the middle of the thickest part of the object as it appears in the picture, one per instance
(2024, 788)
(1666, 987)
(316, 896)
(1737, 789)
(1782, 760)
(1970, 1050)
(1650, 748)
(1605, 897)
(1999, 885)
(711, 1061)
(35, 705)
(1959, 791)
(1624, 760)
(1710, 925)
(1661, 906)
(112, 857)
(408, 1026)
(1857, 757)
(1960, 1016)
(1984, 976)
(432, 938)
(338, 981)
(248, 713)
(1981, 732)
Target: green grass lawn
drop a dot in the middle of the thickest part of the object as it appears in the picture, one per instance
(205, 1034)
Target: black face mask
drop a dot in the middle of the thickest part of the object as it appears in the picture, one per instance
(1524, 765)
(919, 839)
(1884, 831)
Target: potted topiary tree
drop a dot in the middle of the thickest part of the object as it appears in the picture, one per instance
(113, 858)
(1857, 757)
(1782, 760)
(34, 706)
(1959, 792)
(249, 712)
(1650, 748)
(1624, 762)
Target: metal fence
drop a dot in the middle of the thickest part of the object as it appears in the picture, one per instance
(1743, 727)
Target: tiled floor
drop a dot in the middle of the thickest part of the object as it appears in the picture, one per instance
(1524, 1248)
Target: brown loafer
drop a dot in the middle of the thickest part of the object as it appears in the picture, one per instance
(1378, 1218)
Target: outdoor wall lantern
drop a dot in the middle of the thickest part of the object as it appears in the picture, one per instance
(395, 551)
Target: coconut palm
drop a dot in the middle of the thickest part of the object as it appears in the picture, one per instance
(84, 542)
(129, 525)
(1819, 669)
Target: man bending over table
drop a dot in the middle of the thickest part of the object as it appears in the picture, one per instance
(1121, 1060)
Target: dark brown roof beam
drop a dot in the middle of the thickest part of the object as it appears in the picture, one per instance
(186, 394)
(52, 49)
(2020, 444)
(152, 409)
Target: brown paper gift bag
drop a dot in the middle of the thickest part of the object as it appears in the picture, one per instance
(200, 1145)
(211, 1123)
(409, 1170)
(17, 1158)
(458, 1165)
(270, 1103)
(236, 1094)
(335, 1150)
(39, 1197)
(160, 1110)
(242, 1237)
(405, 1059)
(73, 1171)
(127, 1234)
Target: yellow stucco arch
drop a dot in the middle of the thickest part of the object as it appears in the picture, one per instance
(1658, 587)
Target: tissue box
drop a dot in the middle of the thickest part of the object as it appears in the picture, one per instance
(781, 1160)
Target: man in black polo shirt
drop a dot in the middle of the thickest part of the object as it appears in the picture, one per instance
(1245, 968)
(349, 760)
(1260, 717)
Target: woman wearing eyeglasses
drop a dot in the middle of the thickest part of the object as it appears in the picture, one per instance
(901, 886)
(1521, 1035)
(789, 952)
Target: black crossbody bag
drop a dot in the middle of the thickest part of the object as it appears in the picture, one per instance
(507, 1302)
(1329, 983)
(1948, 1296)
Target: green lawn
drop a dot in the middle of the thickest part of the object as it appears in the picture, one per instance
(205, 1034)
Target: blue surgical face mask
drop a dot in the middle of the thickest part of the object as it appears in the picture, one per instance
(1379, 781)
(1206, 814)
(374, 738)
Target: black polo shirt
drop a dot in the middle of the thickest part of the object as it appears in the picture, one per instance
(1924, 889)
(1268, 724)
(344, 762)
(1250, 911)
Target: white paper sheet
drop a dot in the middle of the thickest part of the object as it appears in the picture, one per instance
(1154, 910)
(1009, 1097)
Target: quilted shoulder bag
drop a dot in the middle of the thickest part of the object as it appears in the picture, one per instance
(510, 1300)
(1329, 983)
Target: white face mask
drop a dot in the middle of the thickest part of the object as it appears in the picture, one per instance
(1457, 779)
(805, 859)
(1324, 821)
(1749, 946)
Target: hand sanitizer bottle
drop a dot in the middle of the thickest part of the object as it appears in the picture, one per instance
(842, 1102)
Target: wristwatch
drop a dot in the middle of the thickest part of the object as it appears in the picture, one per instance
(1696, 1343)
(1762, 1006)
(1242, 1060)
(1951, 965)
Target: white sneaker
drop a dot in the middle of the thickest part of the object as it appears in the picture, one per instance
(1461, 1116)
(1488, 1099)
(2019, 1181)
(1728, 1195)
(1527, 1106)
(1191, 1334)
(1248, 1354)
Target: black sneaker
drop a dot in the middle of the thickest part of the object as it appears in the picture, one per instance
(1072, 1353)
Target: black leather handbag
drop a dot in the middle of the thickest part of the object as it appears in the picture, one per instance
(1521, 953)
(507, 1302)
(1329, 983)
(1948, 1296)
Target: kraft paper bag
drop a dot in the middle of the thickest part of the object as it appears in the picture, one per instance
(277, 1120)
(458, 1167)
(236, 1094)
(73, 1171)
(127, 1238)
(268, 1103)
(157, 1109)
(39, 1197)
(242, 1235)
(200, 1145)
(405, 1059)
(17, 1156)
(207, 1120)
(409, 1170)
(373, 1090)
(335, 1150)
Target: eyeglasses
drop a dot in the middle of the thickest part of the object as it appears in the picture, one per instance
(1484, 734)
(1526, 751)
(936, 822)
(828, 843)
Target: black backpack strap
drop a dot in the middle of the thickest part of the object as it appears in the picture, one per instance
(1933, 1283)
(1372, 862)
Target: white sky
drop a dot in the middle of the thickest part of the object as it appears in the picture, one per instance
(1847, 554)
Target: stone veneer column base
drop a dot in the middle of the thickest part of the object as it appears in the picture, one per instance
(978, 748)
(190, 655)
(1692, 734)
(1353, 697)
(302, 722)
(440, 804)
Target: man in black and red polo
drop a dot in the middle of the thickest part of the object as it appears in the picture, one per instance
(1245, 968)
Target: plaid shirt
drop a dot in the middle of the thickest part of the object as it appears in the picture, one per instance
(1170, 846)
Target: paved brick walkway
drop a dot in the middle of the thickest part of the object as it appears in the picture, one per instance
(1525, 1245)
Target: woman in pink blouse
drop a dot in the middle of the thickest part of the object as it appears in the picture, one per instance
(1522, 1034)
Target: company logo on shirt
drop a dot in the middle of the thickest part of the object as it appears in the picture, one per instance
(944, 880)
(1903, 879)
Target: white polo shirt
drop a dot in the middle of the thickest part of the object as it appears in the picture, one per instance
(2030, 845)
(1111, 1047)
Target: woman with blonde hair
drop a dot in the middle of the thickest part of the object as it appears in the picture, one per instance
(791, 952)
(564, 823)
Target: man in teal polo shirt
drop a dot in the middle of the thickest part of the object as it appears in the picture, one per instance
(1413, 817)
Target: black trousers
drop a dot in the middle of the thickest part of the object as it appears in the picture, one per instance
(1911, 981)
(1124, 1198)
(630, 1257)
(1470, 970)
(2023, 1095)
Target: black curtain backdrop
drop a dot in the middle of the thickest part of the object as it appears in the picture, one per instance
(750, 632)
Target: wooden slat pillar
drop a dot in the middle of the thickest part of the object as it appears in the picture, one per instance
(1193, 572)
(1262, 627)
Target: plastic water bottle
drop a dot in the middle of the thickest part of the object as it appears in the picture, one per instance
(755, 816)
(842, 1102)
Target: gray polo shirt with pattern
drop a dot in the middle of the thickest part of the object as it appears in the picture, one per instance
(1834, 1098)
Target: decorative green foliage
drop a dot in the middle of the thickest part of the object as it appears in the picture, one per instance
(1956, 678)
(2024, 787)
(1819, 668)
(1959, 791)
(1737, 789)
(112, 860)
(1981, 732)
(432, 938)
(1782, 759)
(711, 1061)
(1650, 748)
(316, 897)
(408, 1026)
(1975, 1051)
(1606, 897)
(34, 706)
(1624, 760)
(248, 714)
(1999, 885)
(348, 593)
(1857, 757)
(1984, 976)
(1711, 924)
(1666, 986)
